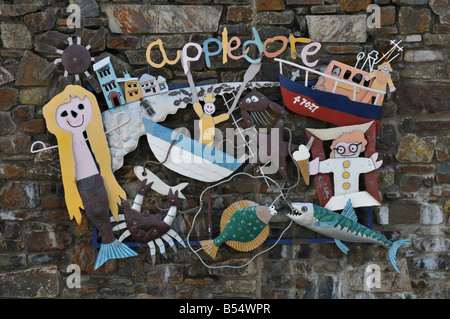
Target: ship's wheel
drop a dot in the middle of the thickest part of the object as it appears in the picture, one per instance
(75, 58)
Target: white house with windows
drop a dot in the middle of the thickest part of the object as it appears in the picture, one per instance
(151, 85)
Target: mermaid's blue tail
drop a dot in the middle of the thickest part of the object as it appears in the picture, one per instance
(110, 251)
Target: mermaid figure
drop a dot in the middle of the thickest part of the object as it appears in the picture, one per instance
(87, 177)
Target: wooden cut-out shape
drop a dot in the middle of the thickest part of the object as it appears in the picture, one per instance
(206, 51)
(256, 41)
(274, 39)
(75, 58)
(88, 180)
(151, 85)
(307, 52)
(258, 110)
(157, 107)
(74, 117)
(244, 227)
(156, 183)
(68, 115)
(301, 157)
(187, 156)
(381, 79)
(327, 134)
(340, 96)
(207, 122)
(225, 45)
(147, 228)
(163, 53)
(346, 165)
(186, 59)
(132, 88)
(342, 227)
(108, 81)
(293, 41)
(232, 48)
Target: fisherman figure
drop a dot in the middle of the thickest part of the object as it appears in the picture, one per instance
(346, 166)
(207, 121)
(382, 78)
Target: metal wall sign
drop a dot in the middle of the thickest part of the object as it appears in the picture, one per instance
(348, 97)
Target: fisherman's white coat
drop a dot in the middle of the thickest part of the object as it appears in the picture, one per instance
(346, 173)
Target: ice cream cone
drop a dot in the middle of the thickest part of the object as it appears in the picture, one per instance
(301, 157)
(304, 170)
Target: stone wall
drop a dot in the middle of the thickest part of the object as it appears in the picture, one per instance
(38, 241)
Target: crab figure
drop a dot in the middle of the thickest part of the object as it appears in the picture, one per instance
(147, 228)
(257, 109)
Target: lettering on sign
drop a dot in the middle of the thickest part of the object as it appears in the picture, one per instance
(213, 47)
(307, 104)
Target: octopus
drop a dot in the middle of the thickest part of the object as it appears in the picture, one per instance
(257, 109)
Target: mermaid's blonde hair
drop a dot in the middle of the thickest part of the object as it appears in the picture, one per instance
(99, 145)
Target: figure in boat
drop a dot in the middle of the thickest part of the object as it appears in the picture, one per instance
(342, 95)
(207, 122)
(382, 77)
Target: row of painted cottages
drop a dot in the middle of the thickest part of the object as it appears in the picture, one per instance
(132, 89)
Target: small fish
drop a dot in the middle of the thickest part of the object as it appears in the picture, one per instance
(244, 226)
(342, 227)
(158, 185)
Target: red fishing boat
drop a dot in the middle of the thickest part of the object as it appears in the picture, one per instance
(340, 96)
